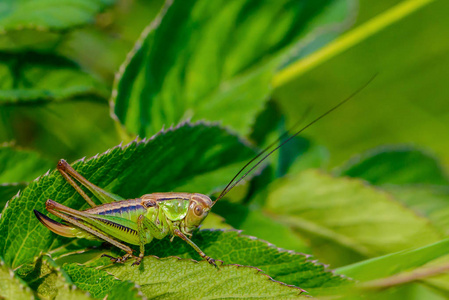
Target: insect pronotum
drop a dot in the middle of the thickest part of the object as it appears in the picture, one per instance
(138, 221)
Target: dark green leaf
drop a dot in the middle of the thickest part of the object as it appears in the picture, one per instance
(39, 24)
(396, 165)
(125, 290)
(210, 60)
(171, 160)
(100, 283)
(32, 78)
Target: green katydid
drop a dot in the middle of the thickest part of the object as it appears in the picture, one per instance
(138, 221)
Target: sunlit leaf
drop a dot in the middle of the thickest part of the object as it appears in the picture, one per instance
(211, 60)
(345, 219)
(170, 160)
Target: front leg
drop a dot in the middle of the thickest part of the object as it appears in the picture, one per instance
(197, 249)
(144, 225)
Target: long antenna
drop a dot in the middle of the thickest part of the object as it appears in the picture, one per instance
(232, 184)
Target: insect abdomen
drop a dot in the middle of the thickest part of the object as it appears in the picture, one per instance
(127, 209)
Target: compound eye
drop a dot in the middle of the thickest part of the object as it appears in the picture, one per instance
(198, 210)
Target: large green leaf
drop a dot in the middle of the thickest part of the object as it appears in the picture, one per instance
(414, 177)
(169, 161)
(172, 278)
(396, 165)
(100, 283)
(35, 78)
(230, 247)
(211, 60)
(345, 219)
(39, 23)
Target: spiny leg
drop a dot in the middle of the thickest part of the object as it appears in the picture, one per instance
(194, 246)
(64, 168)
(52, 207)
(105, 197)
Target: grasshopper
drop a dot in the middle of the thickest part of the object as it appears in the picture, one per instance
(138, 221)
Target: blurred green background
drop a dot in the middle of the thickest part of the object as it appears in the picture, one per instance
(407, 103)
(60, 78)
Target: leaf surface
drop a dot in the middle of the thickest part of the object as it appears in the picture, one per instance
(428, 200)
(211, 60)
(396, 165)
(172, 278)
(32, 78)
(345, 219)
(169, 160)
(232, 248)
(39, 24)
(100, 284)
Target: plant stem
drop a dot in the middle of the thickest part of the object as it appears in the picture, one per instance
(348, 40)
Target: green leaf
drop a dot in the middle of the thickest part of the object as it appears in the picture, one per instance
(32, 23)
(32, 78)
(256, 223)
(414, 177)
(12, 287)
(96, 282)
(211, 60)
(394, 263)
(174, 278)
(100, 283)
(345, 219)
(232, 248)
(49, 281)
(125, 290)
(430, 201)
(164, 163)
(396, 165)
